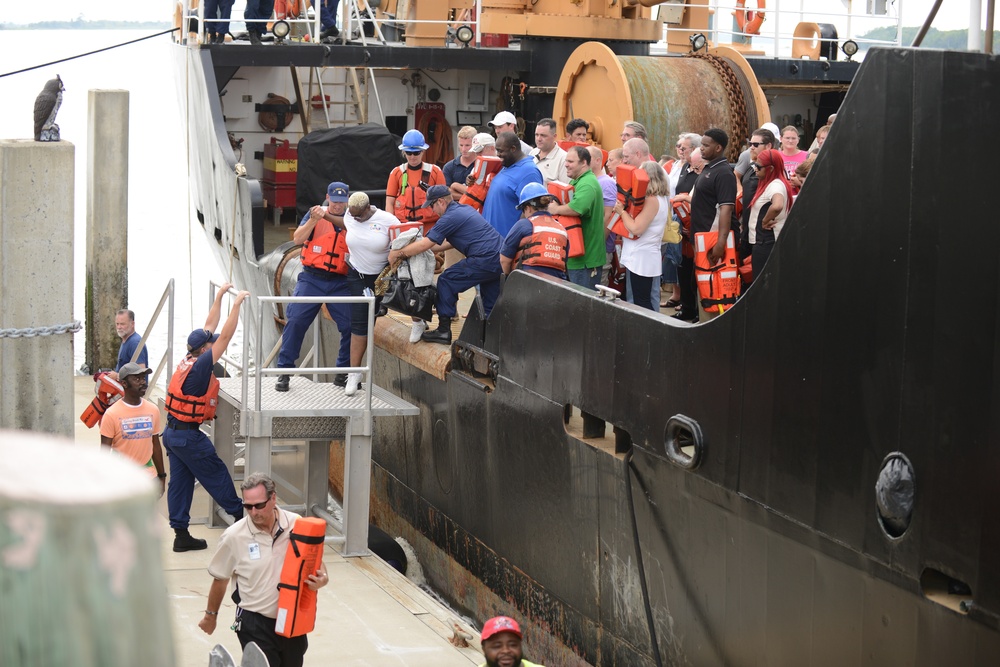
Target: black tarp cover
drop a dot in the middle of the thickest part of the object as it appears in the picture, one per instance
(361, 156)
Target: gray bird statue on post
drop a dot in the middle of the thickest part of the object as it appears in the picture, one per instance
(46, 107)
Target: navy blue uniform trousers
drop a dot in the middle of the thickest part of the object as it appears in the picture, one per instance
(467, 273)
(192, 456)
(300, 315)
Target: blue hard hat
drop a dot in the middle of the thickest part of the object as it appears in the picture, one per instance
(531, 191)
(413, 140)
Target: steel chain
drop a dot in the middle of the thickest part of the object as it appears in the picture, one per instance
(737, 104)
(32, 332)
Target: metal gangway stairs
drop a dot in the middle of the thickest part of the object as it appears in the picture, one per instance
(312, 411)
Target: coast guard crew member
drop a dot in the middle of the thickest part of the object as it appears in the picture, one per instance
(324, 273)
(460, 227)
(538, 241)
(192, 397)
(253, 551)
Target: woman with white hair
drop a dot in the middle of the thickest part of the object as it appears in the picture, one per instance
(368, 242)
(641, 256)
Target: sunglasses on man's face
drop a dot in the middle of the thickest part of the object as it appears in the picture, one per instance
(256, 506)
(755, 144)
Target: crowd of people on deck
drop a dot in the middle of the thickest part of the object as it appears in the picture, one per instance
(535, 199)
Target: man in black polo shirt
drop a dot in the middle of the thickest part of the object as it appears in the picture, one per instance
(714, 197)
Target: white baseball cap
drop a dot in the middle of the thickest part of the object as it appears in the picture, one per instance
(481, 141)
(503, 118)
(774, 129)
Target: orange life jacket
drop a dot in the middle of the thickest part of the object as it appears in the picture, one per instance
(412, 197)
(483, 171)
(186, 408)
(632, 184)
(296, 601)
(573, 224)
(719, 284)
(106, 391)
(682, 209)
(326, 248)
(547, 245)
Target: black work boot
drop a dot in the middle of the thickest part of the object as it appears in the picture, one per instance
(184, 541)
(282, 383)
(340, 379)
(440, 335)
(254, 38)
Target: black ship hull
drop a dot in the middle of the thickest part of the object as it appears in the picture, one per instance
(872, 331)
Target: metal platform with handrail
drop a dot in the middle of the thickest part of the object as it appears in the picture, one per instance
(311, 411)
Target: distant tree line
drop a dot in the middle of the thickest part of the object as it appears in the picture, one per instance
(82, 24)
(934, 39)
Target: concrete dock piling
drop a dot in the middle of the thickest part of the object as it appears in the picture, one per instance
(107, 222)
(36, 286)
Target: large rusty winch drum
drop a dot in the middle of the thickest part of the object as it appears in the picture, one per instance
(667, 94)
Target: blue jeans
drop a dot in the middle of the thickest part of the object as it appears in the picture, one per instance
(470, 272)
(300, 315)
(671, 254)
(588, 278)
(643, 291)
(192, 456)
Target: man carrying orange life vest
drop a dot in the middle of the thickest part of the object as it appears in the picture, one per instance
(253, 551)
(406, 191)
(537, 241)
(192, 397)
(324, 273)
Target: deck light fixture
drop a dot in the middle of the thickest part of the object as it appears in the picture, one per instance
(280, 30)
(698, 42)
(464, 34)
(850, 47)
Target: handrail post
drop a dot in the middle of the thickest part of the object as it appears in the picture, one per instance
(370, 353)
(479, 22)
(201, 21)
(170, 332)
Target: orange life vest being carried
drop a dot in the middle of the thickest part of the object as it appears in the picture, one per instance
(412, 197)
(483, 171)
(326, 248)
(682, 209)
(547, 245)
(632, 184)
(719, 284)
(106, 390)
(563, 192)
(186, 408)
(296, 601)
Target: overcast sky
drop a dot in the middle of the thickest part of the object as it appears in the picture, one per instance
(954, 14)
